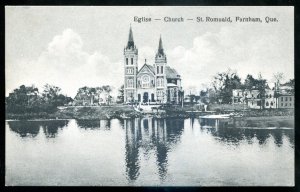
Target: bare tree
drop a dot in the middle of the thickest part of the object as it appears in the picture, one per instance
(278, 78)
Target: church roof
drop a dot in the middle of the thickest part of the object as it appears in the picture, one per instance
(171, 73)
(151, 68)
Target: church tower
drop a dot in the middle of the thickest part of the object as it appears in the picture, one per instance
(160, 73)
(130, 69)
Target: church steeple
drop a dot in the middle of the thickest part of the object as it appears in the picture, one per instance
(160, 50)
(130, 43)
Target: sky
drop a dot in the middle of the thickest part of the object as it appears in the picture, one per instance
(71, 47)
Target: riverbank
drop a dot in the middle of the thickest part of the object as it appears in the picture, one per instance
(126, 111)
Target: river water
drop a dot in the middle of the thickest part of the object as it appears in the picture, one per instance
(146, 152)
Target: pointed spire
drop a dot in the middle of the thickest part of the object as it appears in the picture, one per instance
(130, 39)
(130, 34)
(160, 47)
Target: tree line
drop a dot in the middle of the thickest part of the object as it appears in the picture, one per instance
(28, 99)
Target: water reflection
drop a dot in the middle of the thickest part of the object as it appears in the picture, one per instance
(94, 124)
(25, 128)
(234, 136)
(50, 128)
(154, 148)
(32, 128)
(150, 134)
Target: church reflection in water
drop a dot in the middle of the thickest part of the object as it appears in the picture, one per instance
(150, 134)
(94, 124)
(147, 136)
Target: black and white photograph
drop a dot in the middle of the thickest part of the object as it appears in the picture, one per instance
(149, 96)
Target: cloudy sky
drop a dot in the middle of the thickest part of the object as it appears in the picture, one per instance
(71, 47)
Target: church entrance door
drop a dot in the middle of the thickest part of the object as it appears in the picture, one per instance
(145, 97)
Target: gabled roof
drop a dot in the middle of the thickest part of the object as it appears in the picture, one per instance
(170, 72)
(150, 67)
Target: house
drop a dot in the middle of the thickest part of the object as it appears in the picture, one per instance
(280, 98)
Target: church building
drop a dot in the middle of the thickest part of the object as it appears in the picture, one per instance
(156, 83)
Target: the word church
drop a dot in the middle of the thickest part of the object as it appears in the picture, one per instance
(157, 83)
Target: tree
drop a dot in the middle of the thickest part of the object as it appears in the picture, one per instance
(291, 84)
(107, 89)
(224, 83)
(50, 91)
(261, 86)
(99, 90)
(121, 94)
(250, 82)
(83, 94)
(23, 99)
(27, 99)
(278, 78)
(52, 98)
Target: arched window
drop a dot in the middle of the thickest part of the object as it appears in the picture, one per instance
(160, 82)
(130, 83)
(267, 103)
(271, 103)
(267, 96)
(270, 96)
(126, 61)
(152, 97)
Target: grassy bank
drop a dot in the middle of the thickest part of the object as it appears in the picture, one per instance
(267, 121)
(72, 112)
(117, 111)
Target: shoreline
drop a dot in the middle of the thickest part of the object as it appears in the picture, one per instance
(127, 112)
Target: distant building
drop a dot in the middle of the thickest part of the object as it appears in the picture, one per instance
(285, 97)
(157, 83)
(279, 98)
(285, 101)
(270, 99)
